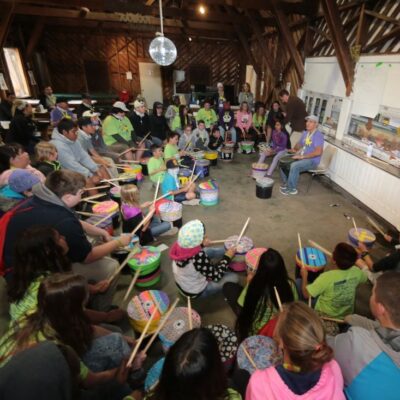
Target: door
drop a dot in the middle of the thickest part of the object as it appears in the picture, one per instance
(150, 82)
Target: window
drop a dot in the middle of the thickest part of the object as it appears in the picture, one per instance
(16, 71)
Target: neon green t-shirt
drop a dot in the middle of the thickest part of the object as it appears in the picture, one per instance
(153, 165)
(259, 121)
(176, 120)
(170, 151)
(113, 126)
(336, 291)
(208, 116)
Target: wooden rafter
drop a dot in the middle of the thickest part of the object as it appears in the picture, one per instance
(382, 17)
(339, 42)
(34, 38)
(383, 39)
(7, 14)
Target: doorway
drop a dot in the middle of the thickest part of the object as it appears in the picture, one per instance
(150, 82)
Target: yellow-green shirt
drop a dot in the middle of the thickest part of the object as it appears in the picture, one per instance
(153, 165)
(208, 116)
(259, 121)
(170, 151)
(115, 126)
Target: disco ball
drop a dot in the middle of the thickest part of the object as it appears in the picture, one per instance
(162, 51)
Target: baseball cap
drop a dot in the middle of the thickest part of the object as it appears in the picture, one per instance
(312, 118)
(20, 180)
(171, 164)
(62, 100)
(90, 114)
(138, 103)
(121, 106)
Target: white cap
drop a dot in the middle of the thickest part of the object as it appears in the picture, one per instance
(121, 105)
(138, 103)
(90, 114)
(312, 118)
(220, 84)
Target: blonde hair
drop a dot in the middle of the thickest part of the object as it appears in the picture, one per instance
(43, 151)
(303, 336)
(130, 195)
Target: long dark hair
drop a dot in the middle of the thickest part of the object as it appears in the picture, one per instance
(192, 370)
(36, 253)
(60, 315)
(7, 152)
(185, 120)
(260, 295)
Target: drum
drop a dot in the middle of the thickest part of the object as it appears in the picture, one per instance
(285, 162)
(142, 306)
(227, 343)
(264, 188)
(212, 156)
(120, 254)
(202, 168)
(263, 350)
(209, 193)
(115, 194)
(314, 261)
(262, 146)
(196, 154)
(108, 207)
(227, 153)
(107, 225)
(362, 235)
(177, 325)
(183, 176)
(129, 178)
(171, 211)
(149, 259)
(246, 147)
(252, 258)
(153, 375)
(238, 263)
(229, 145)
(258, 170)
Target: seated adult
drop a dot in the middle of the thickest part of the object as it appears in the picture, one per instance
(22, 128)
(6, 106)
(369, 352)
(117, 130)
(47, 98)
(71, 155)
(308, 152)
(158, 124)
(86, 105)
(61, 111)
(208, 115)
(52, 205)
(140, 119)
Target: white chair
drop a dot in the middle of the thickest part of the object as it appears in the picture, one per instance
(323, 167)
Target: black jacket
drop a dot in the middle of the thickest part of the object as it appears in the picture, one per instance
(21, 131)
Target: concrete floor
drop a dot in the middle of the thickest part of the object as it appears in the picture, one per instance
(274, 223)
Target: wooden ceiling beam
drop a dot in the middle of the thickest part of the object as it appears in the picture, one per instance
(383, 39)
(340, 44)
(6, 18)
(383, 17)
(286, 33)
(34, 37)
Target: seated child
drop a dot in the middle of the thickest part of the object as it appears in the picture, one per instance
(194, 273)
(308, 370)
(187, 139)
(255, 304)
(194, 361)
(369, 352)
(171, 150)
(132, 216)
(335, 290)
(14, 156)
(185, 195)
(46, 158)
(156, 165)
(216, 140)
(201, 136)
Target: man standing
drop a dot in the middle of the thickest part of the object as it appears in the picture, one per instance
(308, 155)
(294, 112)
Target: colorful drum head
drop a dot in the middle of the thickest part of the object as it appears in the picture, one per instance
(244, 245)
(227, 342)
(362, 235)
(170, 211)
(263, 350)
(253, 258)
(314, 259)
(105, 207)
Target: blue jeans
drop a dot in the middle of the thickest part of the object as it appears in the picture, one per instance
(158, 227)
(295, 169)
(215, 287)
(233, 133)
(156, 140)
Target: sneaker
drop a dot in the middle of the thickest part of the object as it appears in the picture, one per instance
(284, 191)
(283, 186)
(292, 191)
(193, 202)
(172, 232)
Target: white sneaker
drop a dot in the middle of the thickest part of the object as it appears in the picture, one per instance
(172, 232)
(193, 202)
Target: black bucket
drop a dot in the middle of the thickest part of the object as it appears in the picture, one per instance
(264, 188)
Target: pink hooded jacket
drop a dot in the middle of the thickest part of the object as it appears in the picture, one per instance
(267, 384)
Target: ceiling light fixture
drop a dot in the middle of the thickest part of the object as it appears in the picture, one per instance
(162, 50)
(202, 10)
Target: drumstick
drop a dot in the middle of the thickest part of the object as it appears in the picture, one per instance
(97, 187)
(122, 265)
(160, 326)
(126, 151)
(134, 279)
(139, 342)
(186, 145)
(189, 307)
(87, 214)
(300, 250)
(309, 302)
(278, 299)
(130, 161)
(114, 184)
(252, 362)
(191, 176)
(142, 141)
(355, 226)
(242, 232)
(319, 247)
(376, 226)
(105, 218)
(120, 178)
(156, 192)
(339, 321)
(194, 179)
(95, 196)
(91, 201)
(217, 241)
(164, 195)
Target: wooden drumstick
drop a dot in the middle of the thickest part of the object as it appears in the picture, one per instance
(139, 342)
(142, 141)
(122, 265)
(189, 307)
(309, 301)
(217, 241)
(103, 219)
(91, 201)
(134, 279)
(87, 214)
(161, 325)
(300, 250)
(376, 226)
(126, 151)
(97, 187)
(120, 178)
(339, 321)
(95, 196)
(164, 195)
(130, 161)
(242, 232)
(194, 167)
(355, 226)
(278, 299)
(250, 358)
(319, 247)
(156, 192)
